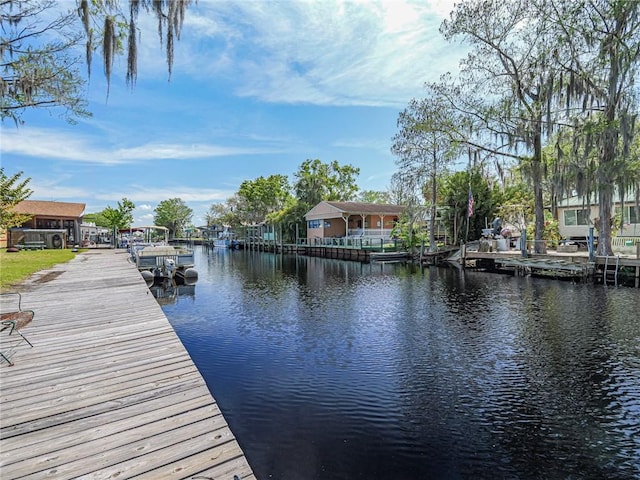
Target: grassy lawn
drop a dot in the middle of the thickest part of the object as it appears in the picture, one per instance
(18, 266)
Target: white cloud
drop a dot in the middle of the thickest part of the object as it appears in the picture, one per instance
(139, 193)
(144, 197)
(328, 53)
(51, 144)
(143, 219)
(56, 191)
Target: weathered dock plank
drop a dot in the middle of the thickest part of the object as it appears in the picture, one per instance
(108, 390)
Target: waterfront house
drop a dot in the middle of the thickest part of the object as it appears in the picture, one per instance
(351, 220)
(52, 224)
(576, 214)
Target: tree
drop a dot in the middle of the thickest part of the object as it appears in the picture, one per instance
(218, 214)
(373, 196)
(406, 190)
(598, 48)
(13, 190)
(173, 214)
(289, 219)
(512, 72)
(38, 70)
(263, 196)
(456, 198)
(118, 218)
(516, 205)
(95, 218)
(317, 181)
(116, 24)
(425, 148)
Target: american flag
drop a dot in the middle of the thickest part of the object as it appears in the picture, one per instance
(470, 207)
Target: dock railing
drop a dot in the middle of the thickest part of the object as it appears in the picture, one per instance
(626, 245)
(370, 232)
(380, 244)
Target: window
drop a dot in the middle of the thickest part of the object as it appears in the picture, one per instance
(314, 223)
(576, 217)
(47, 223)
(631, 214)
(327, 224)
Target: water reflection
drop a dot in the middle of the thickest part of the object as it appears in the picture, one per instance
(167, 292)
(328, 369)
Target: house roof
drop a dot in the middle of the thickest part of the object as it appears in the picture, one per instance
(42, 208)
(337, 209)
(359, 207)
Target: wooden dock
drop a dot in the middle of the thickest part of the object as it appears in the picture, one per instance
(108, 390)
(574, 266)
(607, 270)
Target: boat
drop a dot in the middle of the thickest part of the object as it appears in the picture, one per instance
(226, 239)
(162, 261)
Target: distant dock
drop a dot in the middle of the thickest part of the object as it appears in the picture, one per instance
(605, 270)
(108, 390)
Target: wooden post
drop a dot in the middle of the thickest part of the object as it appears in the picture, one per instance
(591, 245)
(463, 254)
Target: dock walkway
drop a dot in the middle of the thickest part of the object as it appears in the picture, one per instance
(108, 390)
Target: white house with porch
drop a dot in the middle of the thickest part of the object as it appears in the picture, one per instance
(351, 220)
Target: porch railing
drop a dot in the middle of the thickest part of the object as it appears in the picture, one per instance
(374, 243)
(369, 232)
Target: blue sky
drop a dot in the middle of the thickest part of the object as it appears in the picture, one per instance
(257, 88)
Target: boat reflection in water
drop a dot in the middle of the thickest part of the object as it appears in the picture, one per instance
(167, 292)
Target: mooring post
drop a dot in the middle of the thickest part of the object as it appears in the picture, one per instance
(591, 241)
(463, 254)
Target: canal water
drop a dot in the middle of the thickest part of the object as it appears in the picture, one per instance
(328, 369)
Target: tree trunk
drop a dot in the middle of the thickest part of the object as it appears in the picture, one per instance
(536, 174)
(606, 170)
(604, 224)
(432, 220)
(605, 187)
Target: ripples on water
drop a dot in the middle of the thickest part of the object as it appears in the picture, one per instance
(328, 369)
